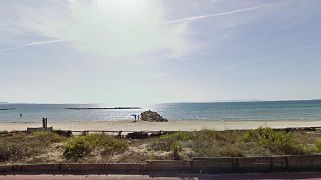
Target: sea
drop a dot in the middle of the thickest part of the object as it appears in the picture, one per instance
(217, 111)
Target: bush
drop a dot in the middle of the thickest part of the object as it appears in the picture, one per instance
(262, 141)
(231, 151)
(176, 148)
(203, 143)
(279, 142)
(165, 142)
(3, 132)
(205, 148)
(177, 136)
(77, 147)
(318, 145)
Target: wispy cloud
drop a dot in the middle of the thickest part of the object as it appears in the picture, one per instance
(109, 28)
(290, 52)
(36, 43)
(118, 29)
(217, 14)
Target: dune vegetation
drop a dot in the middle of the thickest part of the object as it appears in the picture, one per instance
(49, 147)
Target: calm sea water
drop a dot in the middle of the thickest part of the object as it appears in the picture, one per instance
(270, 110)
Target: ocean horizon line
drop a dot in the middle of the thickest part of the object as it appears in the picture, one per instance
(178, 102)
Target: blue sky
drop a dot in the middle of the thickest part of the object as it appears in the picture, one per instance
(133, 52)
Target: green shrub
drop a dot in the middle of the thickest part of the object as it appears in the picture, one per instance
(77, 147)
(318, 145)
(310, 149)
(109, 144)
(280, 142)
(210, 135)
(249, 136)
(178, 136)
(176, 147)
(165, 142)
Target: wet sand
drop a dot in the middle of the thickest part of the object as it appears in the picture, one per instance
(127, 125)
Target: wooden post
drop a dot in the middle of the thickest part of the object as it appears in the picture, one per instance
(44, 124)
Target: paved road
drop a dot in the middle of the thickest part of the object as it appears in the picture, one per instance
(314, 175)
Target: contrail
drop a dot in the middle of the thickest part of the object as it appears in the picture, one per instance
(213, 15)
(37, 43)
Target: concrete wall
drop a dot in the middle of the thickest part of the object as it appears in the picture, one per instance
(304, 162)
(197, 165)
(213, 165)
(126, 167)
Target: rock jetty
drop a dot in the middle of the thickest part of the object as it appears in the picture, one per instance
(96, 108)
(152, 116)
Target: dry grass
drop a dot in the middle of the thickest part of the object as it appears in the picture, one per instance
(23, 146)
(46, 147)
(259, 142)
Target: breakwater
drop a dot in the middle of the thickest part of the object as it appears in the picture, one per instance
(111, 108)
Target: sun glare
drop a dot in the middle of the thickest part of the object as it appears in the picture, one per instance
(124, 4)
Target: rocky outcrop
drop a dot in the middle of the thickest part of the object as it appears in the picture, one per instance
(152, 116)
(137, 135)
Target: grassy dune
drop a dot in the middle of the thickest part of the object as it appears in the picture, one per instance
(48, 147)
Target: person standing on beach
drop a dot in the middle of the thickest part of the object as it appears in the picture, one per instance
(20, 115)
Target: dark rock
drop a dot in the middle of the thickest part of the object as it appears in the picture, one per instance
(65, 133)
(152, 116)
(137, 135)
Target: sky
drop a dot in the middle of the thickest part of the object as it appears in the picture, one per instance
(133, 52)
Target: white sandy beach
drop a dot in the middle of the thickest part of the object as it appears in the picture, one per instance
(165, 126)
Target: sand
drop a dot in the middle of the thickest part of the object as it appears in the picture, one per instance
(127, 125)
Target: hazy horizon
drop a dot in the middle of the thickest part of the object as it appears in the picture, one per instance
(134, 52)
(182, 102)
